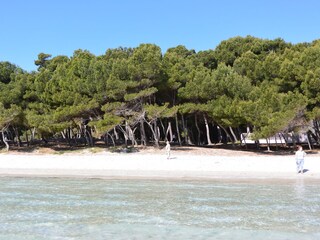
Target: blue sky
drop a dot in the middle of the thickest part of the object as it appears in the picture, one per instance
(59, 27)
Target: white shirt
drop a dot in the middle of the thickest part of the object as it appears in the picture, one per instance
(300, 154)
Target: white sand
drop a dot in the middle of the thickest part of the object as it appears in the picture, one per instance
(155, 165)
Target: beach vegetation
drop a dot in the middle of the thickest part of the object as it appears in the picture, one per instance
(246, 86)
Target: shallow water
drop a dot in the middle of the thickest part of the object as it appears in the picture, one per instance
(62, 208)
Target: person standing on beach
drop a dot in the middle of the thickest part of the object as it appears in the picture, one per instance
(168, 148)
(300, 154)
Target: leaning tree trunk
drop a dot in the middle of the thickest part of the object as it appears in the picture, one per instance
(309, 142)
(177, 128)
(207, 130)
(233, 134)
(154, 130)
(228, 135)
(125, 135)
(112, 139)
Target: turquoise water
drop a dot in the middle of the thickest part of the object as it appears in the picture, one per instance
(58, 208)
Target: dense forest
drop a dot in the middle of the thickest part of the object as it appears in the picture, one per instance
(142, 96)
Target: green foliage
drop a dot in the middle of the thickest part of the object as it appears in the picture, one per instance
(269, 85)
(10, 116)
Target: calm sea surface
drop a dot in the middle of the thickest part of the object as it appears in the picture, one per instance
(62, 208)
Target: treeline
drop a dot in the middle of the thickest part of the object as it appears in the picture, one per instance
(142, 96)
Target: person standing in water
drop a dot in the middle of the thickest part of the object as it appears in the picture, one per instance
(300, 154)
(168, 149)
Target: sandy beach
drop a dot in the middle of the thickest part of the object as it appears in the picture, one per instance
(191, 163)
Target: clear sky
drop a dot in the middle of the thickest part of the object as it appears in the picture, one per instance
(59, 27)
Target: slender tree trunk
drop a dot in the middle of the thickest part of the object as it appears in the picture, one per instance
(207, 130)
(268, 144)
(220, 134)
(286, 142)
(169, 131)
(154, 132)
(88, 137)
(16, 133)
(198, 129)
(131, 135)
(69, 136)
(234, 136)
(27, 138)
(316, 130)
(112, 139)
(228, 135)
(189, 135)
(241, 138)
(177, 129)
(116, 133)
(143, 133)
(63, 135)
(309, 142)
(124, 135)
(5, 140)
(293, 141)
(275, 139)
(185, 131)
(163, 130)
(158, 133)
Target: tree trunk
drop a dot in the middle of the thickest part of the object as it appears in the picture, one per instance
(154, 130)
(156, 135)
(163, 130)
(220, 134)
(5, 140)
(293, 141)
(143, 133)
(234, 136)
(316, 130)
(177, 128)
(198, 129)
(112, 139)
(309, 142)
(124, 135)
(33, 132)
(116, 133)
(88, 137)
(185, 131)
(16, 133)
(131, 135)
(169, 131)
(268, 144)
(27, 138)
(207, 130)
(275, 139)
(228, 135)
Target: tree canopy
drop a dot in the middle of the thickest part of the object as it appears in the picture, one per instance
(141, 95)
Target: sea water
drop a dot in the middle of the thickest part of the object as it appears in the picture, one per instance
(64, 208)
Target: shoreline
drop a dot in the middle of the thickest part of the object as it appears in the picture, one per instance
(228, 165)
